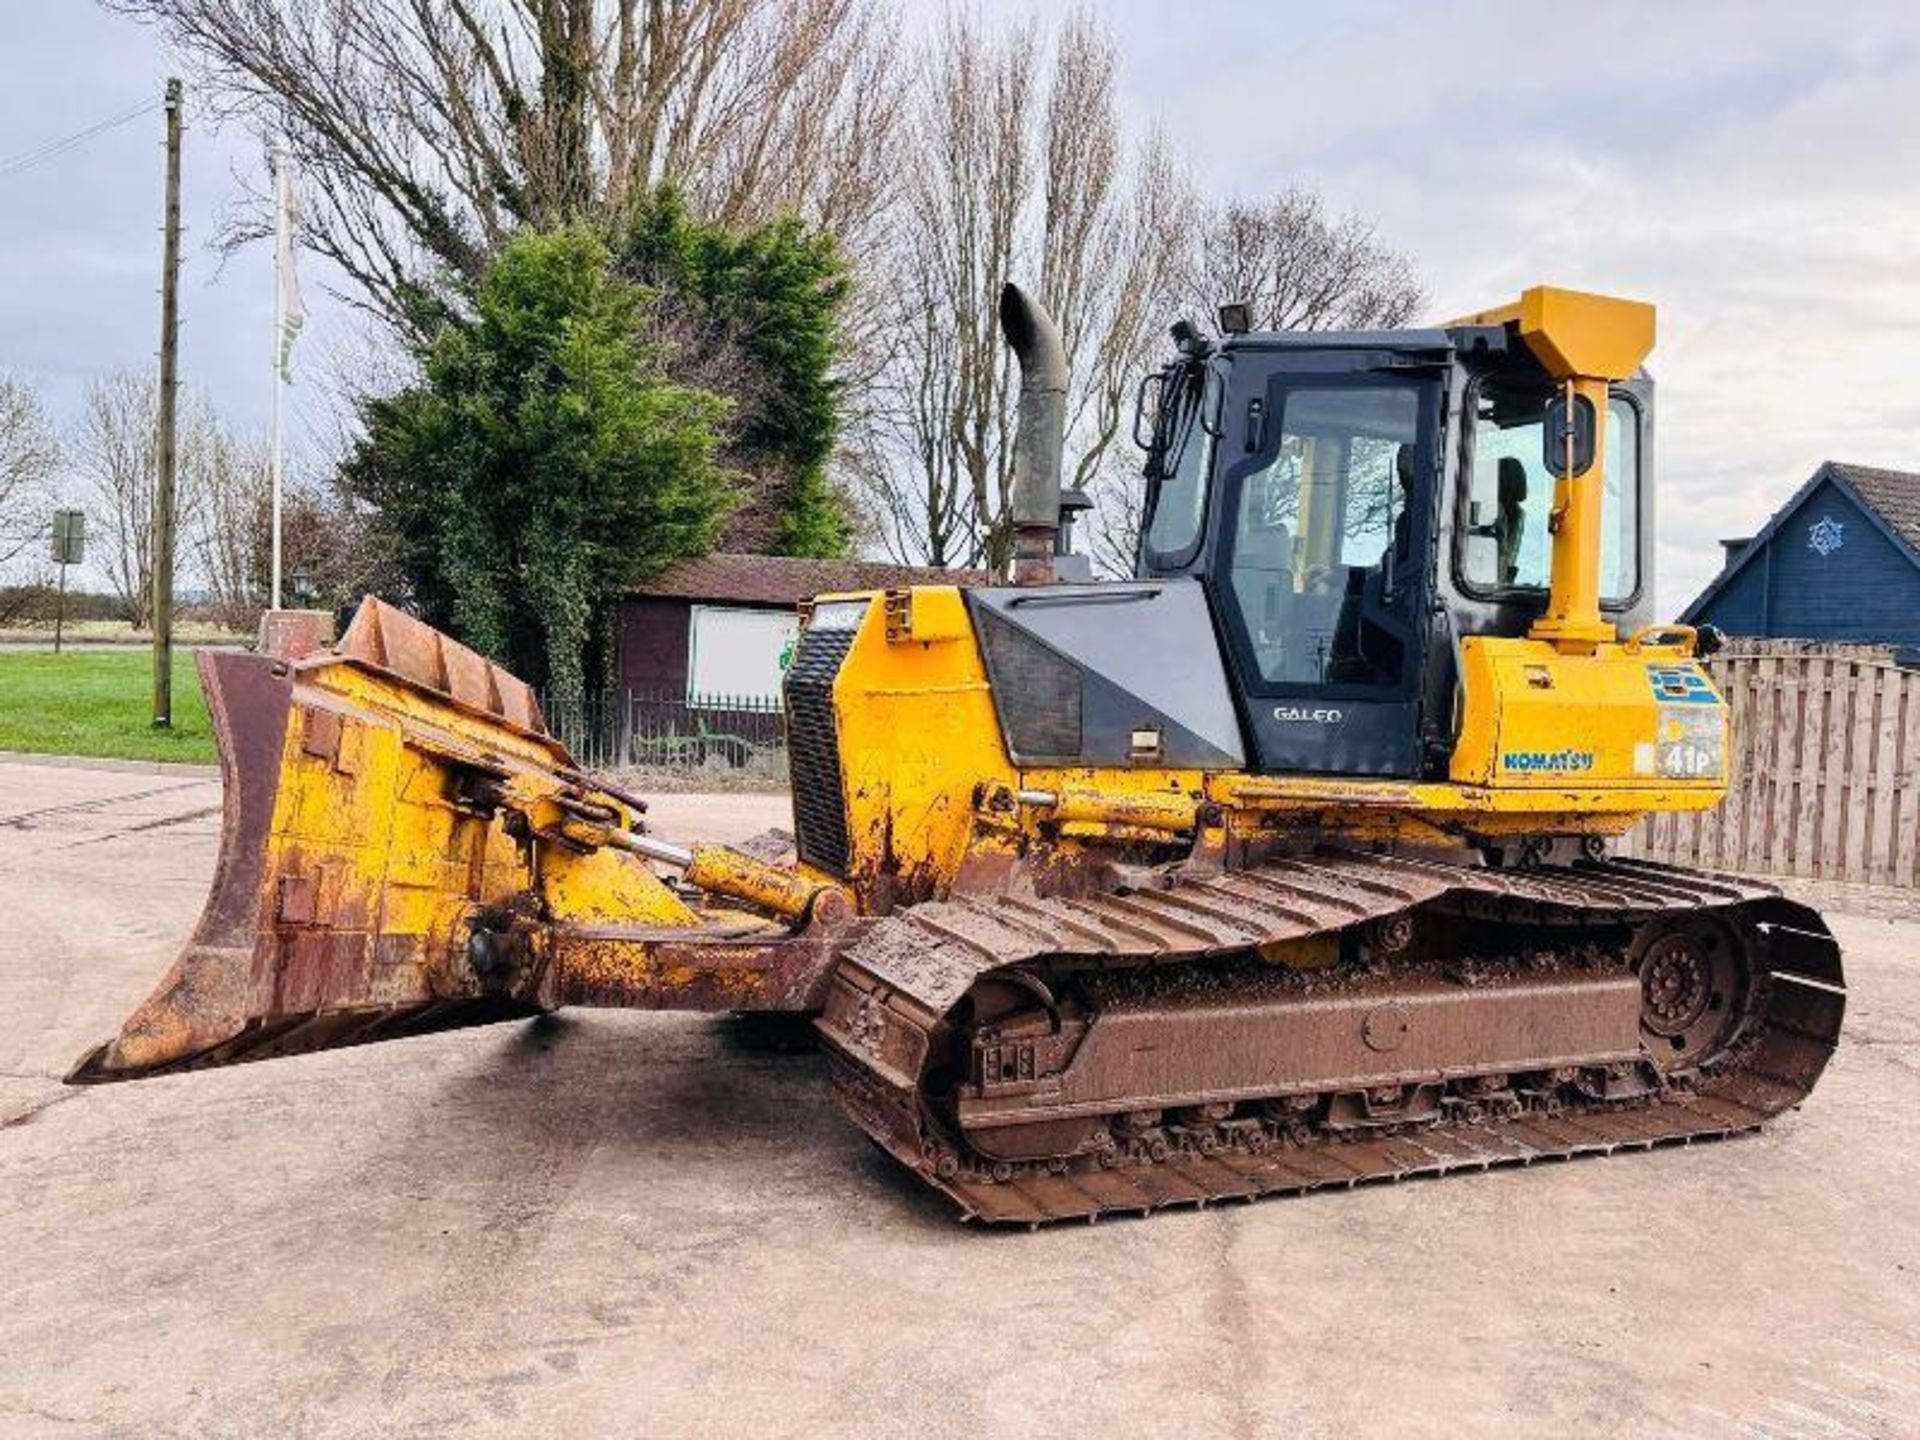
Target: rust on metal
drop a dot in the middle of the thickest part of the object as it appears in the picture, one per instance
(1145, 1059)
(204, 997)
(1198, 1040)
(294, 634)
(766, 969)
(405, 849)
(394, 641)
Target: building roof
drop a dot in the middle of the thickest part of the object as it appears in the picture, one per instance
(1889, 498)
(787, 579)
(1894, 495)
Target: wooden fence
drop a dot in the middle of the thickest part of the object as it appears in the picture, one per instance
(1825, 769)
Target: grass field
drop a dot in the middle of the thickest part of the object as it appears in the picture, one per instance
(100, 703)
(118, 632)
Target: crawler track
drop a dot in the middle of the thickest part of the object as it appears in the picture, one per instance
(906, 1001)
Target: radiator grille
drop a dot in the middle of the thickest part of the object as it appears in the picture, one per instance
(813, 738)
(1036, 691)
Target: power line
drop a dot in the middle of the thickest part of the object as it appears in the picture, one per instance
(28, 159)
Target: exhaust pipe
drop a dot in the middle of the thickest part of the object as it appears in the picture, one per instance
(1035, 503)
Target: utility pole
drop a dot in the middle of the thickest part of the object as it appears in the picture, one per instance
(169, 387)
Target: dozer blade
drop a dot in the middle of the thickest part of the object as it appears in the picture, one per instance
(358, 852)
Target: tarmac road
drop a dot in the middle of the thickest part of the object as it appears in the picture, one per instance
(629, 1224)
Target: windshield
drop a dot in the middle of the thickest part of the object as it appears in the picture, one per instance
(1185, 459)
(1508, 546)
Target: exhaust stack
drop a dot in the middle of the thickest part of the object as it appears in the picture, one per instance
(1035, 504)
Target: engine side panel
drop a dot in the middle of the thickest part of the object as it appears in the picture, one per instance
(1082, 673)
(1619, 718)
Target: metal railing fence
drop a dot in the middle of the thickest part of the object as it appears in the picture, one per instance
(632, 728)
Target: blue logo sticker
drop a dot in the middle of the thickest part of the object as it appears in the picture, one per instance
(1681, 685)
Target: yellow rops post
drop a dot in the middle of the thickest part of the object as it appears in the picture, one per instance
(1283, 863)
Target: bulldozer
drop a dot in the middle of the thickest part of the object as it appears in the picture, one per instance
(1287, 863)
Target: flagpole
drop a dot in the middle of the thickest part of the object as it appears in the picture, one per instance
(281, 240)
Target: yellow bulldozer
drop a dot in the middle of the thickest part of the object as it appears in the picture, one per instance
(1284, 864)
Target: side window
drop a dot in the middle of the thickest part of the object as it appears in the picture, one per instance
(1180, 501)
(1508, 546)
(1322, 542)
(1620, 503)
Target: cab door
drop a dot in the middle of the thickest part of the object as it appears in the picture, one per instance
(1321, 564)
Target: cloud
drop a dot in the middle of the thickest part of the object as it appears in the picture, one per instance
(1744, 166)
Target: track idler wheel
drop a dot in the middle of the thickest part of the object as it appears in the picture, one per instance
(1694, 982)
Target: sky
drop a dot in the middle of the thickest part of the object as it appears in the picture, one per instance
(1748, 167)
(80, 234)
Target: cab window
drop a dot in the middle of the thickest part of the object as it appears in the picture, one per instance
(1179, 496)
(1323, 562)
(1508, 546)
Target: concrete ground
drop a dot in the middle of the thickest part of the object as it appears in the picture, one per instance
(627, 1224)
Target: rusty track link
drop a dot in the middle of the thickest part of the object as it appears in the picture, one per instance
(898, 985)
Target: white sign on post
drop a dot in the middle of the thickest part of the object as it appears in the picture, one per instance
(735, 654)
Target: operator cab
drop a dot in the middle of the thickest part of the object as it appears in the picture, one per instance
(1357, 502)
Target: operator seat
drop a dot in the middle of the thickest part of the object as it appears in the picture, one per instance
(1369, 635)
(1263, 588)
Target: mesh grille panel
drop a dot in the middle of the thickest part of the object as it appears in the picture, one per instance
(813, 740)
(1036, 692)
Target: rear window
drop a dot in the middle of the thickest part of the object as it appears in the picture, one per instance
(1508, 546)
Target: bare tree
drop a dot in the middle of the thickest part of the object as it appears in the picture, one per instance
(1299, 268)
(1113, 534)
(333, 549)
(935, 462)
(426, 130)
(29, 455)
(115, 454)
(230, 529)
(332, 553)
(1018, 170)
(116, 457)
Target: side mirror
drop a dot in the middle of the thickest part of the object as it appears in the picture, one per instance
(1708, 640)
(1236, 318)
(1560, 420)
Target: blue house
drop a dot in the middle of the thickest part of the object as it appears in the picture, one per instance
(1839, 561)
